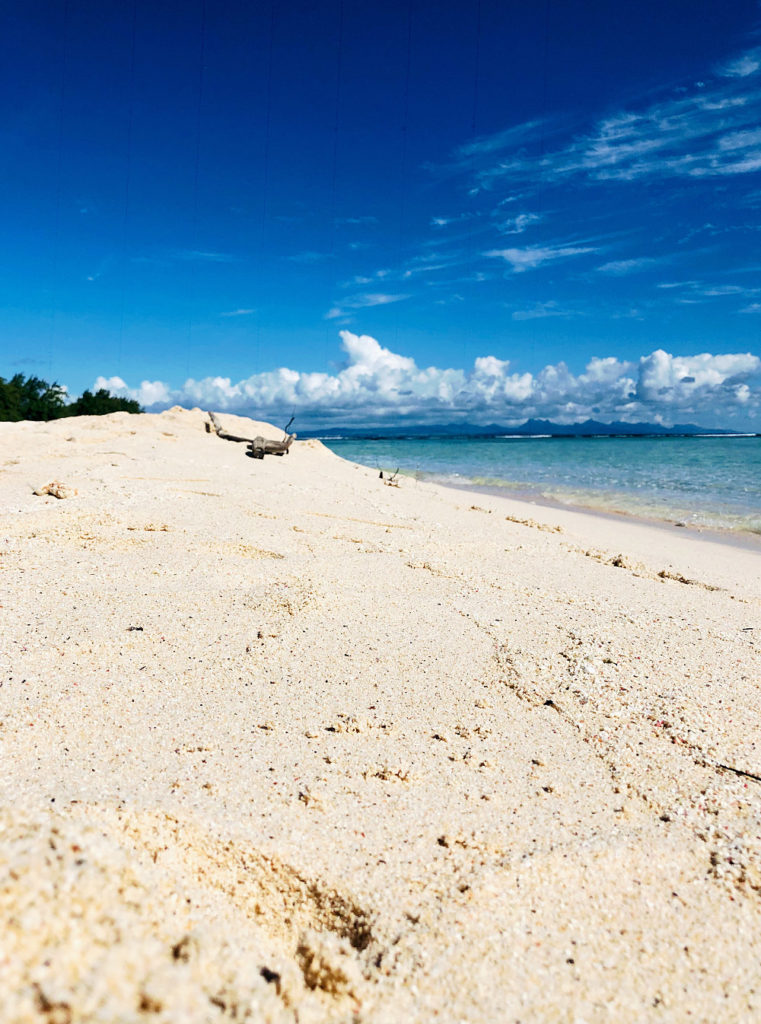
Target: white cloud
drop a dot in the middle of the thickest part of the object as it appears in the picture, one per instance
(150, 393)
(693, 292)
(378, 386)
(364, 279)
(619, 268)
(238, 312)
(363, 301)
(110, 384)
(740, 139)
(540, 311)
(442, 222)
(707, 129)
(203, 256)
(744, 66)
(517, 225)
(720, 290)
(676, 380)
(488, 144)
(533, 256)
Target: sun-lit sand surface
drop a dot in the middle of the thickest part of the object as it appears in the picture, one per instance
(280, 742)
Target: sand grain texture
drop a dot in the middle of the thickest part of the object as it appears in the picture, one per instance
(281, 743)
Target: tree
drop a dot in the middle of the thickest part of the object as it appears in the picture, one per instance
(100, 403)
(31, 398)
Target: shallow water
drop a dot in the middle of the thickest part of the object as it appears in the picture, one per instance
(712, 482)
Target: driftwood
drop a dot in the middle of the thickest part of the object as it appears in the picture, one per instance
(390, 481)
(260, 447)
(257, 447)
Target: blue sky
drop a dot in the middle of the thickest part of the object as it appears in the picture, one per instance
(371, 213)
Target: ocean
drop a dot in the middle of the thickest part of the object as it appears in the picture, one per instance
(709, 482)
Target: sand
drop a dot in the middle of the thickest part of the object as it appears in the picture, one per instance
(282, 743)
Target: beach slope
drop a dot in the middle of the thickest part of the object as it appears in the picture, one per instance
(281, 742)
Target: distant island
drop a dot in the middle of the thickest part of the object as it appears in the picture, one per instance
(531, 428)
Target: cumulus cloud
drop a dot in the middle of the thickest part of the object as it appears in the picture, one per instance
(376, 386)
(150, 393)
(667, 380)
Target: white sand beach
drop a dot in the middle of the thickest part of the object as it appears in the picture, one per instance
(282, 743)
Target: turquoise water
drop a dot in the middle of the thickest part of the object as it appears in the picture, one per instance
(712, 482)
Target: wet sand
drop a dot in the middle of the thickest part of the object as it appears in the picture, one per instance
(281, 742)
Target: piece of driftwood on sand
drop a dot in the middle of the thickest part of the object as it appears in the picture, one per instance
(257, 447)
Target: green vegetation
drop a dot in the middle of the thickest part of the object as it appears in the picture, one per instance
(31, 398)
(98, 404)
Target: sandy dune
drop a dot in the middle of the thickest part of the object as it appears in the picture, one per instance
(280, 742)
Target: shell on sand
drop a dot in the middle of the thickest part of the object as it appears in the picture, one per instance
(56, 490)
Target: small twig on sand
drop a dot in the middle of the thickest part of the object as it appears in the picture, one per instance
(739, 771)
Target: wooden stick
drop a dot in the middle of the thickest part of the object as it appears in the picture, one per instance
(221, 432)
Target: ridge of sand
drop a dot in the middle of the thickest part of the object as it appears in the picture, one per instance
(282, 743)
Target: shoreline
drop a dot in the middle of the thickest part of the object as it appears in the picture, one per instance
(745, 539)
(586, 499)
